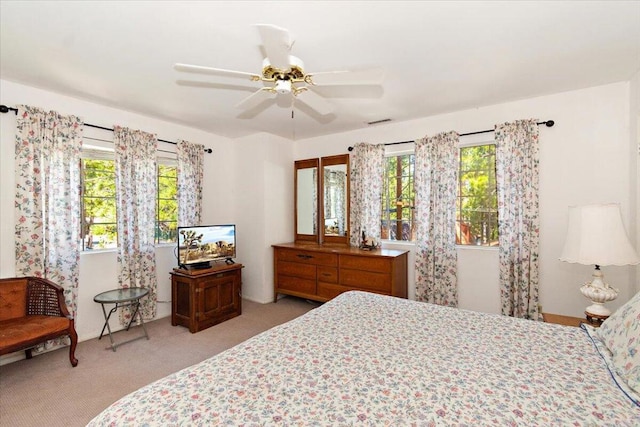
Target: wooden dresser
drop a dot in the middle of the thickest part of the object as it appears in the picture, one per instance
(320, 273)
(203, 298)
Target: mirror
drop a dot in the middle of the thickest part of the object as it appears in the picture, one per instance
(306, 200)
(334, 199)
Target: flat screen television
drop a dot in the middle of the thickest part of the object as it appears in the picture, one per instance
(200, 245)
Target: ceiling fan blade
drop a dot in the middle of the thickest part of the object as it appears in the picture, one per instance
(255, 98)
(277, 44)
(370, 77)
(215, 71)
(315, 102)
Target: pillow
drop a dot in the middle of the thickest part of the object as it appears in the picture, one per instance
(620, 333)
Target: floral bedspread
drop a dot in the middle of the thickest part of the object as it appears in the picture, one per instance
(366, 359)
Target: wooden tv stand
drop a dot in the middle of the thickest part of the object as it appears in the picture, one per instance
(205, 297)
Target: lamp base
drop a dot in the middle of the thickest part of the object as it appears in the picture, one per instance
(598, 292)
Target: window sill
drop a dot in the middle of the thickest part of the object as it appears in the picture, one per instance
(113, 250)
(409, 245)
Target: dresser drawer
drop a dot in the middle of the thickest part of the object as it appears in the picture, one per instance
(296, 284)
(305, 271)
(366, 263)
(308, 257)
(327, 274)
(330, 291)
(366, 280)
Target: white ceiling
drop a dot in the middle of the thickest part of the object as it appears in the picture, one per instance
(437, 56)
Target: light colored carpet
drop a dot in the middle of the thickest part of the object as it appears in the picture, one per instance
(47, 391)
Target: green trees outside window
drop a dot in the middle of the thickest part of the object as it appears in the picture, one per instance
(477, 202)
(397, 198)
(477, 207)
(99, 227)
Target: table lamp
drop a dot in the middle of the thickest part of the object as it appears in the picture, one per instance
(596, 236)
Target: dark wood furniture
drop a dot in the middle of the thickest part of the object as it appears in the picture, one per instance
(32, 311)
(321, 272)
(203, 298)
(595, 319)
(560, 319)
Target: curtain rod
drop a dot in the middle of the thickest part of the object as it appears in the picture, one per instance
(5, 109)
(548, 123)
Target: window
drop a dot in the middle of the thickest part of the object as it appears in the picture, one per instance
(99, 230)
(397, 198)
(167, 212)
(477, 206)
(477, 203)
(99, 227)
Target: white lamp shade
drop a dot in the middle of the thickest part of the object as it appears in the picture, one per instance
(596, 236)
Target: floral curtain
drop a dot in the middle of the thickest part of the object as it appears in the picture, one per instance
(436, 188)
(190, 174)
(47, 203)
(367, 171)
(136, 189)
(517, 166)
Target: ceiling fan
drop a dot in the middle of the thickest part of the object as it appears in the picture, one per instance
(284, 74)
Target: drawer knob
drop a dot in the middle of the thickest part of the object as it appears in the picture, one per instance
(303, 256)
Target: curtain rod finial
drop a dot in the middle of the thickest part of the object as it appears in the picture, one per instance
(549, 123)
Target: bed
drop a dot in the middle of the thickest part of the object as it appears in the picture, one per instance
(367, 359)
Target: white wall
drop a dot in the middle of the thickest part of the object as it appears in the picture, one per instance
(634, 157)
(584, 159)
(264, 200)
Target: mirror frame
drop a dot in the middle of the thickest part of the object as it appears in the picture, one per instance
(298, 165)
(341, 159)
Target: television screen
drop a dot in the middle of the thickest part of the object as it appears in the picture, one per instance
(200, 245)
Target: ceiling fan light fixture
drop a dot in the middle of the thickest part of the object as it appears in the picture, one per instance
(283, 86)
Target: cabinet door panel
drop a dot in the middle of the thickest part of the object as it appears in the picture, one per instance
(208, 299)
(217, 296)
(183, 298)
(226, 295)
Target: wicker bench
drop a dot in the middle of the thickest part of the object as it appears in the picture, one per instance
(32, 311)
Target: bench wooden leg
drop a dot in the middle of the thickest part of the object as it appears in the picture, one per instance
(72, 348)
(27, 353)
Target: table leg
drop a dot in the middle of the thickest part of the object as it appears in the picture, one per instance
(106, 324)
(139, 314)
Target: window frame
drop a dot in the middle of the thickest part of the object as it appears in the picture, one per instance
(98, 150)
(477, 143)
(411, 206)
(474, 140)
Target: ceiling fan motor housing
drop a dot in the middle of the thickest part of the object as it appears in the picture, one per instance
(283, 86)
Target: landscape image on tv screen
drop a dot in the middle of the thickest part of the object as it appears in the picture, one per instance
(203, 244)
